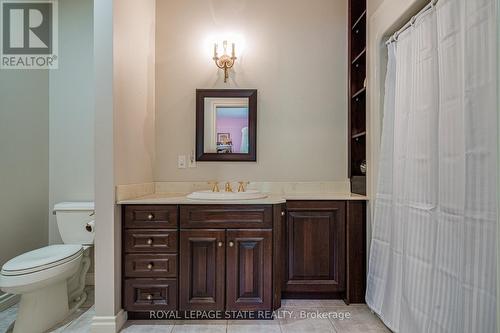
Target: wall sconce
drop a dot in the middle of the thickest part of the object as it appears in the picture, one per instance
(225, 61)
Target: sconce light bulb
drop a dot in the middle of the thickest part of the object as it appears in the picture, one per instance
(224, 44)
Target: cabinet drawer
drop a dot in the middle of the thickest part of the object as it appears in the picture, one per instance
(151, 265)
(150, 216)
(150, 294)
(226, 216)
(147, 240)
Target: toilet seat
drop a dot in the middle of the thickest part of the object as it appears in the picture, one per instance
(41, 259)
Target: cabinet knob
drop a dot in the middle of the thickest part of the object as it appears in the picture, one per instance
(150, 266)
(149, 297)
(150, 241)
(219, 244)
(231, 244)
(283, 213)
(150, 216)
(356, 31)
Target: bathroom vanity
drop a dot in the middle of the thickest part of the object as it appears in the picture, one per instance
(247, 257)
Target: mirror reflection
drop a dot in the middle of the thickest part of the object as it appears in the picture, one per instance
(226, 125)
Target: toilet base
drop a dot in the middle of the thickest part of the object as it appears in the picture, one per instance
(42, 309)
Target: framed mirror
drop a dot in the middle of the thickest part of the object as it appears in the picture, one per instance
(226, 125)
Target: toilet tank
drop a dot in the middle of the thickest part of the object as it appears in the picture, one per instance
(75, 221)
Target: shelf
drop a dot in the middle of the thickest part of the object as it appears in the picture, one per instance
(362, 53)
(363, 14)
(358, 184)
(357, 135)
(359, 92)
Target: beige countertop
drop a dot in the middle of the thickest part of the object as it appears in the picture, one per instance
(180, 199)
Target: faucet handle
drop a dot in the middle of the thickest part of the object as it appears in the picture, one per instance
(241, 186)
(215, 186)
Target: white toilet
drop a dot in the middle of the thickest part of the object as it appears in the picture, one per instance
(51, 280)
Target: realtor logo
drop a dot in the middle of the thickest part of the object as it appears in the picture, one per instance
(28, 34)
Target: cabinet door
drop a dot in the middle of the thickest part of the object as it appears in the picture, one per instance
(202, 265)
(316, 247)
(249, 270)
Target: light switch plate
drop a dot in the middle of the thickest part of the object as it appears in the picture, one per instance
(192, 160)
(181, 162)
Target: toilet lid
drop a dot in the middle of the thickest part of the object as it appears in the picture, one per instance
(40, 259)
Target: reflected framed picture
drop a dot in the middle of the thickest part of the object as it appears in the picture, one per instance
(223, 137)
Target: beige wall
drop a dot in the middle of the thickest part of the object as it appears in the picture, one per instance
(372, 6)
(295, 56)
(124, 110)
(24, 174)
(134, 89)
(72, 110)
(107, 238)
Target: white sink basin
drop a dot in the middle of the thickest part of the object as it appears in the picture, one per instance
(209, 195)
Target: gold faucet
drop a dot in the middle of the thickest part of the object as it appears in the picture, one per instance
(228, 187)
(215, 187)
(241, 186)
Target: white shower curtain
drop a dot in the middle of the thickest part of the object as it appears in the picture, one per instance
(433, 252)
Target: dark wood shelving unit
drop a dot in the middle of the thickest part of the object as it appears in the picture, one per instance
(360, 18)
(357, 94)
(357, 135)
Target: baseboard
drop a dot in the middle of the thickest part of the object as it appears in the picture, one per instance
(108, 324)
(7, 300)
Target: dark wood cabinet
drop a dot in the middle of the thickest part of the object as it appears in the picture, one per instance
(222, 269)
(249, 270)
(150, 246)
(202, 262)
(355, 252)
(315, 247)
(241, 257)
(325, 244)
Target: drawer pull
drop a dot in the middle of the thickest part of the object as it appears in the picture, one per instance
(149, 297)
(150, 216)
(231, 244)
(282, 213)
(219, 244)
(150, 241)
(150, 266)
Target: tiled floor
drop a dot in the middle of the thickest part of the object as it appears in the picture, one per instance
(301, 316)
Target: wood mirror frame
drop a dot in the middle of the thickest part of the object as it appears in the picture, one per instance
(251, 94)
